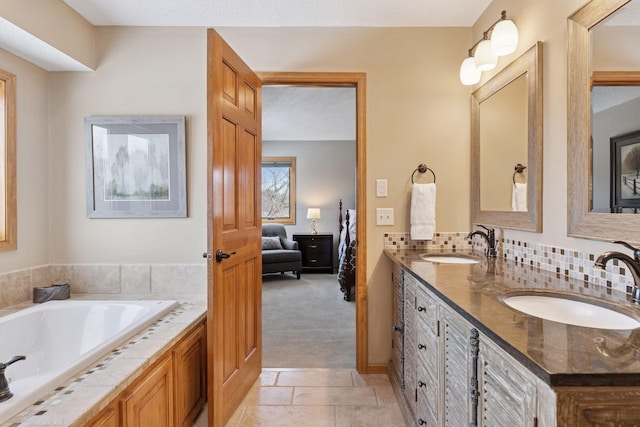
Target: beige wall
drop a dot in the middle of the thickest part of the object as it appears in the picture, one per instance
(141, 71)
(33, 165)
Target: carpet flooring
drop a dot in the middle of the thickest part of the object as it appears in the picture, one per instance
(306, 323)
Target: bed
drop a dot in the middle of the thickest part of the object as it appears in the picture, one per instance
(347, 253)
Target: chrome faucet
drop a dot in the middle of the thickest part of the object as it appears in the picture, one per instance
(490, 237)
(632, 263)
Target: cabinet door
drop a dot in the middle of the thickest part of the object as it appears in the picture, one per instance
(508, 395)
(397, 338)
(149, 403)
(410, 341)
(428, 360)
(456, 370)
(190, 367)
(108, 417)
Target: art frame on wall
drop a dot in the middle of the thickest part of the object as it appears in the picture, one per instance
(625, 171)
(135, 166)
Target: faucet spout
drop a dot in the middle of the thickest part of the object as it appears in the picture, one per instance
(489, 236)
(633, 265)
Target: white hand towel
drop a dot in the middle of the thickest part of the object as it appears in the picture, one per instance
(519, 197)
(423, 211)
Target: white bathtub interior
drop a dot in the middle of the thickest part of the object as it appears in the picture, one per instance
(59, 338)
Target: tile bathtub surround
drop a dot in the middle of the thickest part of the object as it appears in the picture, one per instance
(139, 279)
(78, 399)
(571, 263)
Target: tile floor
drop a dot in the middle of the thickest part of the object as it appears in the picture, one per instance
(316, 397)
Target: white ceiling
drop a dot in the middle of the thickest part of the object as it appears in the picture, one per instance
(281, 13)
(303, 113)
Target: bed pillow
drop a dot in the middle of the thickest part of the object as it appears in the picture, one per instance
(269, 243)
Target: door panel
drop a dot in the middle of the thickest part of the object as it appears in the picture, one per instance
(234, 282)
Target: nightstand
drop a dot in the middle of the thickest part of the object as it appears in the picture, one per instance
(317, 252)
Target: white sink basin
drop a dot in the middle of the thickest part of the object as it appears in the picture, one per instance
(449, 258)
(570, 311)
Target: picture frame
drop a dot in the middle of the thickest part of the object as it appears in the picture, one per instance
(135, 166)
(625, 171)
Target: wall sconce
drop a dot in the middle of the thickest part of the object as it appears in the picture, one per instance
(313, 214)
(500, 39)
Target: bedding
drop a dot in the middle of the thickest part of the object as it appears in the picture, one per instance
(347, 254)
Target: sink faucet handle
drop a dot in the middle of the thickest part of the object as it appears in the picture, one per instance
(636, 251)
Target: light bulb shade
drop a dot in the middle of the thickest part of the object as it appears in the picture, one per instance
(484, 58)
(469, 74)
(313, 213)
(504, 38)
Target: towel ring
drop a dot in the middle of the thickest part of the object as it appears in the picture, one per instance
(422, 168)
(518, 169)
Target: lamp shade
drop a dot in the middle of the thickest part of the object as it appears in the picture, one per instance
(469, 74)
(484, 57)
(504, 38)
(313, 213)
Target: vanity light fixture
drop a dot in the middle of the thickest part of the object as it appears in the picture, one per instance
(313, 214)
(500, 39)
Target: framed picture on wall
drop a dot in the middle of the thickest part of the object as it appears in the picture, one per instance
(625, 171)
(135, 166)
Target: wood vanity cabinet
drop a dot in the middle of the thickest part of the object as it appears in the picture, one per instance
(171, 392)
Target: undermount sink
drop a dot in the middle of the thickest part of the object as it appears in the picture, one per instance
(571, 310)
(452, 258)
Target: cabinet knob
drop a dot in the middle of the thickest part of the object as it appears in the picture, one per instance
(422, 309)
(422, 384)
(421, 346)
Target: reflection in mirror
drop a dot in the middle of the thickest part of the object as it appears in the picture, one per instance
(615, 108)
(506, 146)
(503, 144)
(603, 106)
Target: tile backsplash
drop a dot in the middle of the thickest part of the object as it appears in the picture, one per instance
(140, 279)
(571, 263)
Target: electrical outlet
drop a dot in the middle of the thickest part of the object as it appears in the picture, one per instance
(381, 188)
(384, 216)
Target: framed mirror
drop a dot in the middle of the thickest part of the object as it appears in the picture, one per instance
(603, 107)
(506, 146)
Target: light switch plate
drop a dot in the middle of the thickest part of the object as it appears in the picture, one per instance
(384, 216)
(381, 188)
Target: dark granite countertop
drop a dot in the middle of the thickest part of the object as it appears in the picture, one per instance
(557, 353)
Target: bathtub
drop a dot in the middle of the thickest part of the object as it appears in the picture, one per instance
(60, 338)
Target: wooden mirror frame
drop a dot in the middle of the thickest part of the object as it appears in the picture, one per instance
(581, 222)
(529, 63)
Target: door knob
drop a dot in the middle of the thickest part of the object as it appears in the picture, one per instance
(221, 255)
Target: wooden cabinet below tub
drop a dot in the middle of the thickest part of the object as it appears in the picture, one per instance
(170, 392)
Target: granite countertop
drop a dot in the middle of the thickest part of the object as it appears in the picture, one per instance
(557, 353)
(83, 395)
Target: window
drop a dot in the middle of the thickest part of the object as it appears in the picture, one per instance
(8, 229)
(279, 189)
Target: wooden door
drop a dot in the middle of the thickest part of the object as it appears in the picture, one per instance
(234, 334)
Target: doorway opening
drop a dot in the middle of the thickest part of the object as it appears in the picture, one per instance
(354, 82)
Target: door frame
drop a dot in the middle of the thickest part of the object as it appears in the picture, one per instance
(358, 81)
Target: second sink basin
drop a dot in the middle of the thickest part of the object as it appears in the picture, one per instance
(571, 310)
(452, 258)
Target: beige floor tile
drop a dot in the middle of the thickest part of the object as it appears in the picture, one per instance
(235, 419)
(334, 396)
(385, 395)
(316, 378)
(367, 416)
(268, 377)
(268, 396)
(289, 416)
(370, 379)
